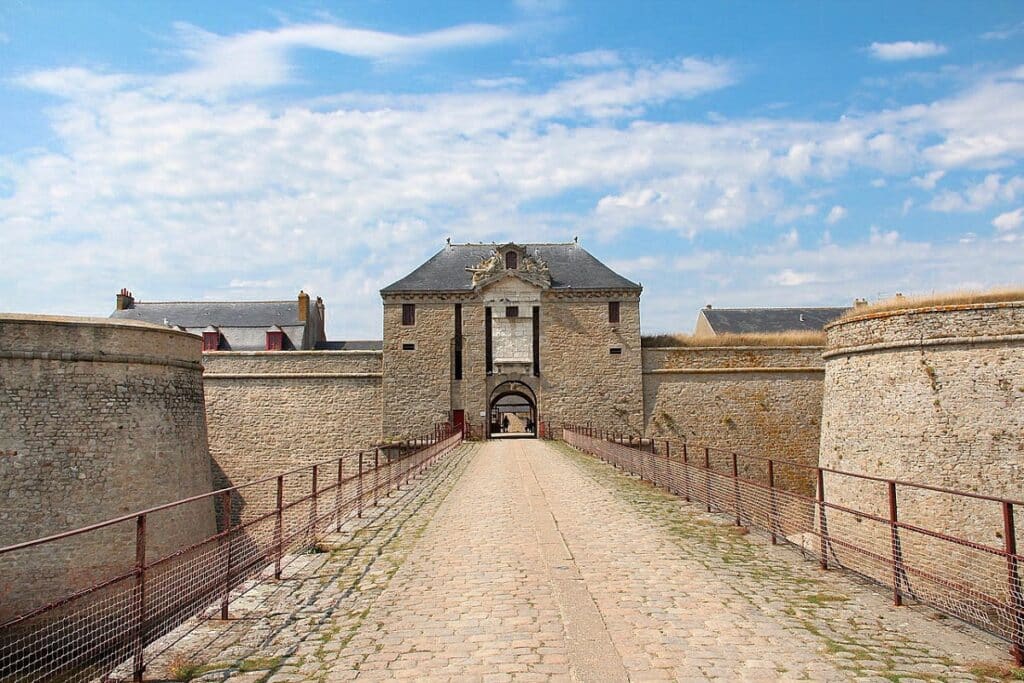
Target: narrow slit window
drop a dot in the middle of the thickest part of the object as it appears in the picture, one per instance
(613, 311)
(408, 314)
(615, 350)
(408, 347)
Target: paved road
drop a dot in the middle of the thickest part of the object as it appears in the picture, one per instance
(526, 560)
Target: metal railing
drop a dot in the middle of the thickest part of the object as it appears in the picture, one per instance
(105, 595)
(926, 543)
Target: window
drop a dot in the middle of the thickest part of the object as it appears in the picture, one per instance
(511, 260)
(275, 340)
(457, 365)
(408, 347)
(613, 311)
(615, 350)
(211, 341)
(408, 314)
(511, 311)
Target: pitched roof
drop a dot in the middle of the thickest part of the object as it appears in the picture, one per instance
(571, 266)
(753, 320)
(354, 345)
(260, 314)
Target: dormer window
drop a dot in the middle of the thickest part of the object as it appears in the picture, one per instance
(211, 339)
(275, 339)
(511, 260)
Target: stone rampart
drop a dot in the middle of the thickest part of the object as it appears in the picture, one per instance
(754, 400)
(933, 396)
(98, 419)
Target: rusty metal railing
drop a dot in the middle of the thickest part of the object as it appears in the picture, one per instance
(954, 550)
(91, 599)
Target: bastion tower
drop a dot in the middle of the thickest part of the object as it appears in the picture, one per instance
(506, 338)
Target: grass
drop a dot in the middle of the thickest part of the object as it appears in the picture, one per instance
(900, 303)
(793, 338)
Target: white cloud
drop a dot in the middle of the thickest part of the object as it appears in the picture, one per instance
(261, 58)
(879, 237)
(791, 278)
(592, 59)
(836, 214)
(928, 180)
(979, 196)
(906, 49)
(1011, 220)
(908, 204)
(1004, 33)
(505, 82)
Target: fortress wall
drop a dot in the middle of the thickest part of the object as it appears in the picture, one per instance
(98, 418)
(417, 384)
(581, 381)
(932, 396)
(761, 401)
(273, 411)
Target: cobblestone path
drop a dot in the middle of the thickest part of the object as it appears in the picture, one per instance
(526, 560)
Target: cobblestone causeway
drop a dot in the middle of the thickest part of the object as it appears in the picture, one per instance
(527, 560)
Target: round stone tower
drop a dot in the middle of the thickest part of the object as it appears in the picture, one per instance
(933, 396)
(98, 419)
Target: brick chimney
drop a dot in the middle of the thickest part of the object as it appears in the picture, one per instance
(303, 306)
(125, 300)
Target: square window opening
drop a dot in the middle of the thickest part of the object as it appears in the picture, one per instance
(408, 314)
(511, 311)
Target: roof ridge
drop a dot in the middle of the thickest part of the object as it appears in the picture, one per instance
(243, 301)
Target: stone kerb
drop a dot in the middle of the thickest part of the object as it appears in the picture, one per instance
(98, 418)
(935, 396)
(757, 400)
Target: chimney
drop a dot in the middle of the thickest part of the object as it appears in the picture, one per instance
(858, 303)
(303, 306)
(125, 300)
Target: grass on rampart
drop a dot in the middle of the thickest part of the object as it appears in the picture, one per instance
(901, 303)
(793, 338)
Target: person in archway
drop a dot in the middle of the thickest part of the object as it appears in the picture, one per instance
(504, 424)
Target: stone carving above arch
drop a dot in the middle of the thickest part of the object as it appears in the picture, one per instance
(493, 267)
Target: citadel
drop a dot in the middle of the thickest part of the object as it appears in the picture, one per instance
(167, 400)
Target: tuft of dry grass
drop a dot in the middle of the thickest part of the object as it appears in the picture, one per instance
(793, 338)
(900, 303)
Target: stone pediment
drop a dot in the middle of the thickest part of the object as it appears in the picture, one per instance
(494, 267)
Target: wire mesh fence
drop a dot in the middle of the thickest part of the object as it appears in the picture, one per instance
(953, 550)
(91, 599)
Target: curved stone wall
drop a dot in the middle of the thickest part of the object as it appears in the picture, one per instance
(760, 401)
(933, 396)
(98, 418)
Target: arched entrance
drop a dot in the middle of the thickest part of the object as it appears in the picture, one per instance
(512, 412)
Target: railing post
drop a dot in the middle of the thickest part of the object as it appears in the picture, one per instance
(139, 637)
(359, 487)
(707, 476)
(894, 542)
(279, 527)
(376, 476)
(338, 497)
(1013, 575)
(226, 521)
(773, 503)
(822, 522)
(686, 475)
(736, 489)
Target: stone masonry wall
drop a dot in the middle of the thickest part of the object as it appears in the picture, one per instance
(98, 419)
(417, 383)
(932, 396)
(270, 412)
(580, 380)
(759, 401)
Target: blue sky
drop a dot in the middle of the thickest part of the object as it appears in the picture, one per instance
(734, 153)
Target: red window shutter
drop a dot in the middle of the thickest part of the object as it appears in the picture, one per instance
(275, 341)
(211, 341)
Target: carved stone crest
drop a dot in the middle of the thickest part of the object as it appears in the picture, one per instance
(492, 267)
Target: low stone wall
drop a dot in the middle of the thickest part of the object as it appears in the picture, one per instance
(759, 401)
(98, 419)
(933, 396)
(273, 411)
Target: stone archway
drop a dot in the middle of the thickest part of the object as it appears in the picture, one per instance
(512, 411)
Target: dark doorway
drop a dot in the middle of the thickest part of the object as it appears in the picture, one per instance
(512, 412)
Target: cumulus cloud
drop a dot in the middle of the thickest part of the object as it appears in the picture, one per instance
(979, 196)
(791, 278)
(836, 214)
(1011, 220)
(906, 49)
(928, 181)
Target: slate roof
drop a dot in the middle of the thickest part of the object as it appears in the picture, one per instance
(571, 266)
(242, 324)
(753, 320)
